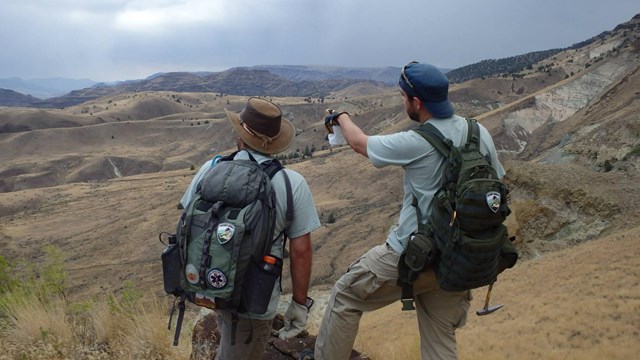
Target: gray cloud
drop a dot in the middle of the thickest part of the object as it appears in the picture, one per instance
(109, 40)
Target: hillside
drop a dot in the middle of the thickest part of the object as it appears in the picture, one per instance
(13, 98)
(577, 303)
(100, 180)
(387, 75)
(493, 67)
(254, 81)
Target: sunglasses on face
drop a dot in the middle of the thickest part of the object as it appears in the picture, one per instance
(404, 76)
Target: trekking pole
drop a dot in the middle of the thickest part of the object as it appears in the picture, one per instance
(488, 310)
(181, 309)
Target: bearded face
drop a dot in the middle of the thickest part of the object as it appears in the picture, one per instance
(413, 113)
(410, 107)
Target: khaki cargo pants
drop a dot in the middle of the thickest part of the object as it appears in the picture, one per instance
(370, 284)
(258, 330)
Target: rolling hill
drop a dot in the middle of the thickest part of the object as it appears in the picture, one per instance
(102, 178)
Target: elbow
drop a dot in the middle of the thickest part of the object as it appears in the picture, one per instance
(362, 150)
(359, 145)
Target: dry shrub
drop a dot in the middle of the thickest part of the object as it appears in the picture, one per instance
(114, 328)
(103, 323)
(143, 334)
(34, 325)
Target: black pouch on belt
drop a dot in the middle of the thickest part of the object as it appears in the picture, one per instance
(421, 252)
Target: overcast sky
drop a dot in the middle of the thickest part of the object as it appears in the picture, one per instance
(108, 40)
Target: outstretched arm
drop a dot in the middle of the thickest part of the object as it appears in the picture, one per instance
(353, 135)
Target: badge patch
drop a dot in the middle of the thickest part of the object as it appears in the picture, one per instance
(224, 232)
(216, 278)
(493, 200)
(191, 273)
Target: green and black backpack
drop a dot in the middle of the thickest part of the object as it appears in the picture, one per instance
(216, 258)
(464, 240)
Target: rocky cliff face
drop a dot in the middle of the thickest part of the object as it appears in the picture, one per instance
(514, 125)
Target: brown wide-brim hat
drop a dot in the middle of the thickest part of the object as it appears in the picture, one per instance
(261, 126)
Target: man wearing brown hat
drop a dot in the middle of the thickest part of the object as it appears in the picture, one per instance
(262, 132)
(370, 282)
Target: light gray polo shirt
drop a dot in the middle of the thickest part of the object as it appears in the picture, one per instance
(305, 216)
(423, 165)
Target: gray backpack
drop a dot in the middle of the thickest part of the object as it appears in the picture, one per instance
(221, 250)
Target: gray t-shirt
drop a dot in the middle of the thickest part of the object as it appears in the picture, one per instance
(423, 165)
(305, 216)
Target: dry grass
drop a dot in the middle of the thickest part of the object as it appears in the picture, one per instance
(144, 334)
(578, 303)
(104, 325)
(109, 329)
(31, 322)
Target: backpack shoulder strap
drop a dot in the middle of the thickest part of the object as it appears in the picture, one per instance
(289, 212)
(442, 144)
(272, 167)
(473, 133)
(289, 215)
(435, 138)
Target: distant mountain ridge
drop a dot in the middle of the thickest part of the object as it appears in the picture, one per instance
(44, 88)
(14, 98)
(236, 81)
(280, 80)
(387, 75)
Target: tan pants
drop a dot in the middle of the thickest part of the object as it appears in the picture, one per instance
(241, 351)
(369, 284)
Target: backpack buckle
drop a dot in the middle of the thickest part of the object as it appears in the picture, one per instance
(407, 304)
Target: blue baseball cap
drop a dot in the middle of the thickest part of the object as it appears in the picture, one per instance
(430, 85)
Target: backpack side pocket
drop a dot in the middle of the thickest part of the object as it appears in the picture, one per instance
(258, 286)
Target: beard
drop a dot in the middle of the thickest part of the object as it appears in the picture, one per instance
(413, 114)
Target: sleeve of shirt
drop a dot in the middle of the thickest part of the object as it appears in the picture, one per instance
(495, 162)
(396, 149)
(305, 216)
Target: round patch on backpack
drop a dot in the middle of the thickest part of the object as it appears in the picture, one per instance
(493, 200)
(224, 232)
(216, 278)
(191, 273)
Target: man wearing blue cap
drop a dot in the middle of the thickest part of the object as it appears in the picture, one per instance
(370, 282)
